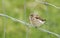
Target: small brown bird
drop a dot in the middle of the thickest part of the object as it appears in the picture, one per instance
(36, 20)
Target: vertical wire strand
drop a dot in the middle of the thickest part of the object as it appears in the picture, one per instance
(25, 18)
(47, 14)
(46, 11)
(3, 7)
(48, 17)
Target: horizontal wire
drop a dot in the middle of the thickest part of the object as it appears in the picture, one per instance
(46, 3)
(14, 19)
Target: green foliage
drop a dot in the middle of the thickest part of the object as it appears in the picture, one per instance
(15, 8)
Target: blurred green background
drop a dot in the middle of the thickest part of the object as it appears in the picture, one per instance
(16, 9)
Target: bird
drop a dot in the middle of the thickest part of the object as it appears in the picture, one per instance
(36, 20)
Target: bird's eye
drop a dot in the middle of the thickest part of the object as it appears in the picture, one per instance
(31, 15)
(37, 17)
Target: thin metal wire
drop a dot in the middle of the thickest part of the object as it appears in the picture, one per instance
(24, 15)
(25, 18)
(47, 13)
(27, 24)
(48, 4)
(49, 32)
(3, 7)
(25, 10)
(48, 17)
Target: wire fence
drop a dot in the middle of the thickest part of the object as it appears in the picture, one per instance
(5, 21)
(29, 25)
(24, 22)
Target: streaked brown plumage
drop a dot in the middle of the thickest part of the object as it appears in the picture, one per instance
(36, 20)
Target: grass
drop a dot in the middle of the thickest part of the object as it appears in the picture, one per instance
(15, 8)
